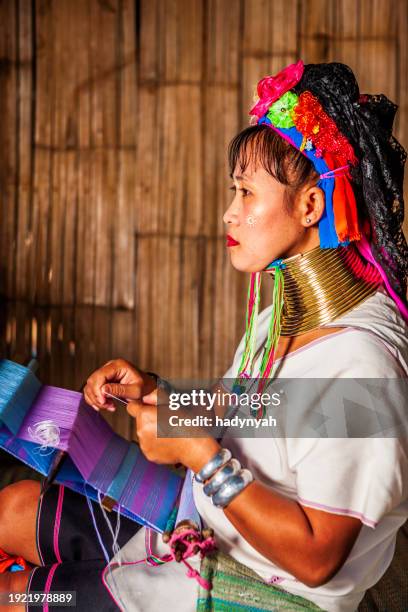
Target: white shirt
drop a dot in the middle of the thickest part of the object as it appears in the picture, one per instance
(366, 478)
(362, 477)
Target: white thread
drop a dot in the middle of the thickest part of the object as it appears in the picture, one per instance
(117, 530)
(47, 434)
(114, 534)
(115, 590)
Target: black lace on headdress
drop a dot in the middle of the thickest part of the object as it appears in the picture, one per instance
(367, 121)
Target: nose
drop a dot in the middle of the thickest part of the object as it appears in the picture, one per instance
(231, 214)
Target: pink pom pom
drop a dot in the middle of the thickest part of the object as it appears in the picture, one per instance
(271, 88)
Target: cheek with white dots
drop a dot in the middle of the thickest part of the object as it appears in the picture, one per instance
(251, 220)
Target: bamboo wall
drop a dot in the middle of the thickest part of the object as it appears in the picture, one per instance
(115, 117)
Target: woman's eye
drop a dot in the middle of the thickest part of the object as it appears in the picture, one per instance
(245, 192)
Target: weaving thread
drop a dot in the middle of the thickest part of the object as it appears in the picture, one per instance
(37, 422)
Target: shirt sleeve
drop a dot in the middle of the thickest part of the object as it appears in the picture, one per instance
(364, 478)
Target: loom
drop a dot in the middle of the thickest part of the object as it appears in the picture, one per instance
(97, 461)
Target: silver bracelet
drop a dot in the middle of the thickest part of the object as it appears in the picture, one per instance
(231, 488)
(229, 469)
(214, 464)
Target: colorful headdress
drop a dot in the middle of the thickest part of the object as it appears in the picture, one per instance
(301, 120)
(348, 137)
(318, 109)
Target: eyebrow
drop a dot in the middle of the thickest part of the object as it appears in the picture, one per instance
(239, 178)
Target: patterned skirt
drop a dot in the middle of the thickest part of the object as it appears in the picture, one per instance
(236, 587)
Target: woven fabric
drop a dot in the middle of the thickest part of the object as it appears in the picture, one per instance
(235, 586)
(50, 419)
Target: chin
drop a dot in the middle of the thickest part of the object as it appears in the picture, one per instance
(243, 265)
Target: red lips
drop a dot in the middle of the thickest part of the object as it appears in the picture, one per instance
(231, 242)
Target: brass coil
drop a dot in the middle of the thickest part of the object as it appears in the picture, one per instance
(322, 285)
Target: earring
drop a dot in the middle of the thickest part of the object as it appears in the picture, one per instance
(308, 220)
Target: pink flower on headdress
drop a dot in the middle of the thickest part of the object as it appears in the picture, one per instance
(272, 88)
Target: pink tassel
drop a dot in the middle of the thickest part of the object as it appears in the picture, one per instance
(192, 573)
(364, 247)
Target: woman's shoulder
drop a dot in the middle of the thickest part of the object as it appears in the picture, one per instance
(378, 313)
(379, 334)
(357, 353)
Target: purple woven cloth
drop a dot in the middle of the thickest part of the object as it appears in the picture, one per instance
(100, 460)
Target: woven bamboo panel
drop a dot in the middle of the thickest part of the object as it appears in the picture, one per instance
(116, 116)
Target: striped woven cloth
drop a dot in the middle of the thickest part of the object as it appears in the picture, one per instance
(236, 587)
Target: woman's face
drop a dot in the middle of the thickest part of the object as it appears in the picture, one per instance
(260, 223)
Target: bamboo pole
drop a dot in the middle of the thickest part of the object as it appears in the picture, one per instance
(10, 168)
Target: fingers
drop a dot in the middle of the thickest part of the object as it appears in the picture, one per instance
(151, 398)
(91, 399)
(93, 388)
(112, 371)
(130, 392)
(134, 408)
(145, 423)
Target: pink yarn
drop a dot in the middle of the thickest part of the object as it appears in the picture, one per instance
(341, 171)
(365, 250)
(252, 296)
(206, 546)
(192, 573)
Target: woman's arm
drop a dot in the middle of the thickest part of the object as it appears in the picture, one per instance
(310, 544)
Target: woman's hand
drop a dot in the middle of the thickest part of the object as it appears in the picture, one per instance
(117, 377)
(192, 452)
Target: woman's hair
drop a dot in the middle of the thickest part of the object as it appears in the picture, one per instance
(260, 145)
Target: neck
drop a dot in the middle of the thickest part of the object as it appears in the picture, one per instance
(322, 285)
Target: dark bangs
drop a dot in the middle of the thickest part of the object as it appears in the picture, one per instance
(260, 145)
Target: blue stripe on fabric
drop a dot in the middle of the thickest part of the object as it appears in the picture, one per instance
(28, 452)
(134, 482)
(122, 477)
(110, 462)
(69, 472)
(216, 602)
(161, 498)
(18, 389)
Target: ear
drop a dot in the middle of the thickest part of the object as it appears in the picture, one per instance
(311, 206)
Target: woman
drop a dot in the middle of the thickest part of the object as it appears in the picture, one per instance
(310, 523)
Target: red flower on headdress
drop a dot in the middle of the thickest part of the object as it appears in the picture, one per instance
(315, 125)
(272, 88)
